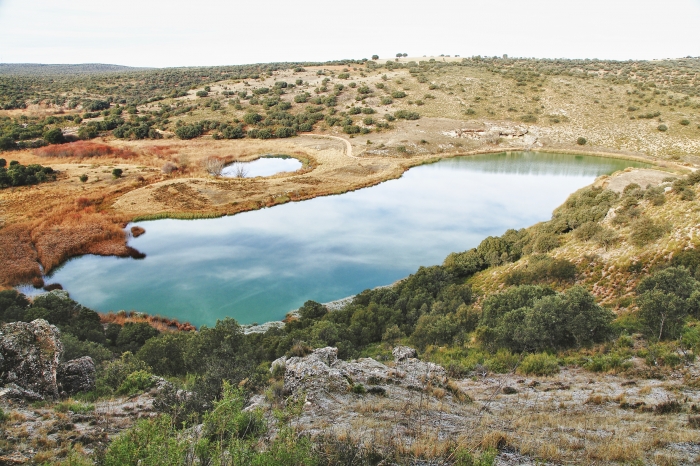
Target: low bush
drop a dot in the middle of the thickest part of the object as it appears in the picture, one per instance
(540, 364)
(406, 115)
(136, 382)
(644, 231)
(581, 141)
(20, 175)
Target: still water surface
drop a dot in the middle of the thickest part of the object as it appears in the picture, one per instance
(264, 166)
(256, 266)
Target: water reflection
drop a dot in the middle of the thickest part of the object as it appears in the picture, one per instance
(258, 265)
(265, 166)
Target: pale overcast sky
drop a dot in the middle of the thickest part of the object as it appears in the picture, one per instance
(211, 32)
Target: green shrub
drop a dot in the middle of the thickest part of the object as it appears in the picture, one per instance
(202, 94)
(607, 363)
(398, 94)
(662, 128)
(463, 457)
(644, 231)
(527, 318)
(545, 242)
(74, 407)
(587, 231)
(150, 441)
(189, 131)
(83, 178)
(540, 364)
(581, 141)
(73, 348)
(54, 136)
(117, 173)
(406, 115)
(502, 362)
(3, 416)
(136, 382)
(359, 389)
(114, 373)
(685, 122)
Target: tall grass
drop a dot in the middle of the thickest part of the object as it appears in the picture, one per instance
(178, 216)
(83, 150)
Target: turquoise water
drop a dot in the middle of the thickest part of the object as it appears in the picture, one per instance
(256, 266)
(265, 166)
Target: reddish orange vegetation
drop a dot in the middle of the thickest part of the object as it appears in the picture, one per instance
(66, 231)
(162, 152)
(163, 324)
(84, 149)
(18, 261)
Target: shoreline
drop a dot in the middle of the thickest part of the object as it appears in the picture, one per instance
(339, 303)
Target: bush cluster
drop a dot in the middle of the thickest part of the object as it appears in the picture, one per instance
(17, 174)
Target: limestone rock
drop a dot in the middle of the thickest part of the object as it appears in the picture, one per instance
(279, 362)
(322, 372)
(77, 375)
(401, 353)
(314, 372)
(15, 392)
(29, 354)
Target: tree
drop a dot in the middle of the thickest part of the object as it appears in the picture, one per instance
(54, 136)
(375, 57)
(117, 173)
(665, 299)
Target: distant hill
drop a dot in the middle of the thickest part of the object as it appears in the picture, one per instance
(38, 69)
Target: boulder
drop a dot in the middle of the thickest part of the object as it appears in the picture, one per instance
(322, 372)
(401, 353)
(314, 372)
(29, 354)
(75, 376)
(278, 363)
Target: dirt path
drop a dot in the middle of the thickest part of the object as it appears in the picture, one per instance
(348, 146)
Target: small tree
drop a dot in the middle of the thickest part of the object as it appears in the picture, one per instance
(54, 136)
(375, 57)
(213, 165)
(117, 173)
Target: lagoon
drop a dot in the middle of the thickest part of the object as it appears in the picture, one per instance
(256, 266)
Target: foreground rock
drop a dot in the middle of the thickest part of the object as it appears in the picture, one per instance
(29, 363)
(29, 354)
(76, 376)
(322, 371)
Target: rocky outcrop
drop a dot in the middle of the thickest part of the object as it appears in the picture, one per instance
(402, 353)
(314, 372)
(29, 354)
(76, 376)
(322, 371)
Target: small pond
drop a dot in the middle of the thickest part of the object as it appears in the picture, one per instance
(256, 266)
(266, 165)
